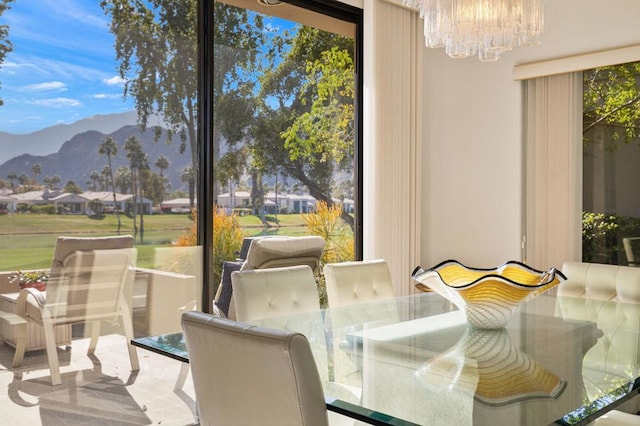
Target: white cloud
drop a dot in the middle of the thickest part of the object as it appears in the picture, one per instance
(114, 81)
(106, 96)
(44, 87)
(52, 68)
(57, 102)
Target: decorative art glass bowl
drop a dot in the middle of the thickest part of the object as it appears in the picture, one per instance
(488, 297)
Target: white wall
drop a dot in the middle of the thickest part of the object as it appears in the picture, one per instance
(473, 135)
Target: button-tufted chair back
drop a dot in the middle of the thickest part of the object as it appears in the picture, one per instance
(274, 292)
(608, 295)
(357, 282)
(601, 282)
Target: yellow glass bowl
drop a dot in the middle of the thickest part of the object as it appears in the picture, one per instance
(488, 297)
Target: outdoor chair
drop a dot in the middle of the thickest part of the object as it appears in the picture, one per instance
(87, 284)
(270, 252)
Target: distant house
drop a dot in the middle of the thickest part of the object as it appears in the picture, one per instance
(69, 203)
(106, 198)
(65, 202)
(238, 199)
(347, 204)
(7, 204)
(35, 198)
(295, 203)
(291, 203)
(177, 205)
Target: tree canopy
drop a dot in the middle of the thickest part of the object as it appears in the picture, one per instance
(283, 100)
(306, 128)
(156, 46)
(611, 99)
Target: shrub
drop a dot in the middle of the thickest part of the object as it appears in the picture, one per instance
(43, 209)
(327, 223)
(227, 239)
(602, 236)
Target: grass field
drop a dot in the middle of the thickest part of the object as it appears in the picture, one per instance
(27, 240)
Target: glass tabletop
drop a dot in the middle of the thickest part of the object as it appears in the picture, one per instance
(414, 360)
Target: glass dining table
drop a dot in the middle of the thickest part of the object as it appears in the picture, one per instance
(413, 360)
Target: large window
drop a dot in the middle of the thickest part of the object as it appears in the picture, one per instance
(285, 137)
(181, 123)
(98, 137)
(611, 147)
(582, 148)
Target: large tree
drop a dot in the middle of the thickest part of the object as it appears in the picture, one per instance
(308, 133)
(156, 46)
(5, 44)
(155, 43)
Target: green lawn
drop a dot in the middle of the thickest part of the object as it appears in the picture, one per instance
(27, 240)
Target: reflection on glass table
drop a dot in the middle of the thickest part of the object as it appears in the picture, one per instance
(413, 360)
(488, 366)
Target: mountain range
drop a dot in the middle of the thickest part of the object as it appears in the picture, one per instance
(50, 139)
(75, 158)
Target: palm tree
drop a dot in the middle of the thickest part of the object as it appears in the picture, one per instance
(138, 162)
(109, 148)
(123, 179)
(36, 169)
(162, 163)
(12, 176)
(94, 176)
(105, 174)
(187, 177)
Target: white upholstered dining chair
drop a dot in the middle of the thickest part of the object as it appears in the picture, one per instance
(87, 284)
(356, 282)
(246, 375)
(275, 292)
(584, 296)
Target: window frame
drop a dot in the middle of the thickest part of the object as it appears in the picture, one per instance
(206, 171)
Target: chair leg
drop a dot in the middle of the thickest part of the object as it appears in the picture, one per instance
(20, 333)
(52, 352)
(95, 334)
(128, 332)
(182, 376)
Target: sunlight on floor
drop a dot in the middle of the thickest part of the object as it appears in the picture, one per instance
(96, 390)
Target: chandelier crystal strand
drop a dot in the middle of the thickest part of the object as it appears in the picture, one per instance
(486, 28)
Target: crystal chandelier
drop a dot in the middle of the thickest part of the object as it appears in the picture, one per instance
(483, 27)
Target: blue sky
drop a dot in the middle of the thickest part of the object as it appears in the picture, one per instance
(62, 68)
